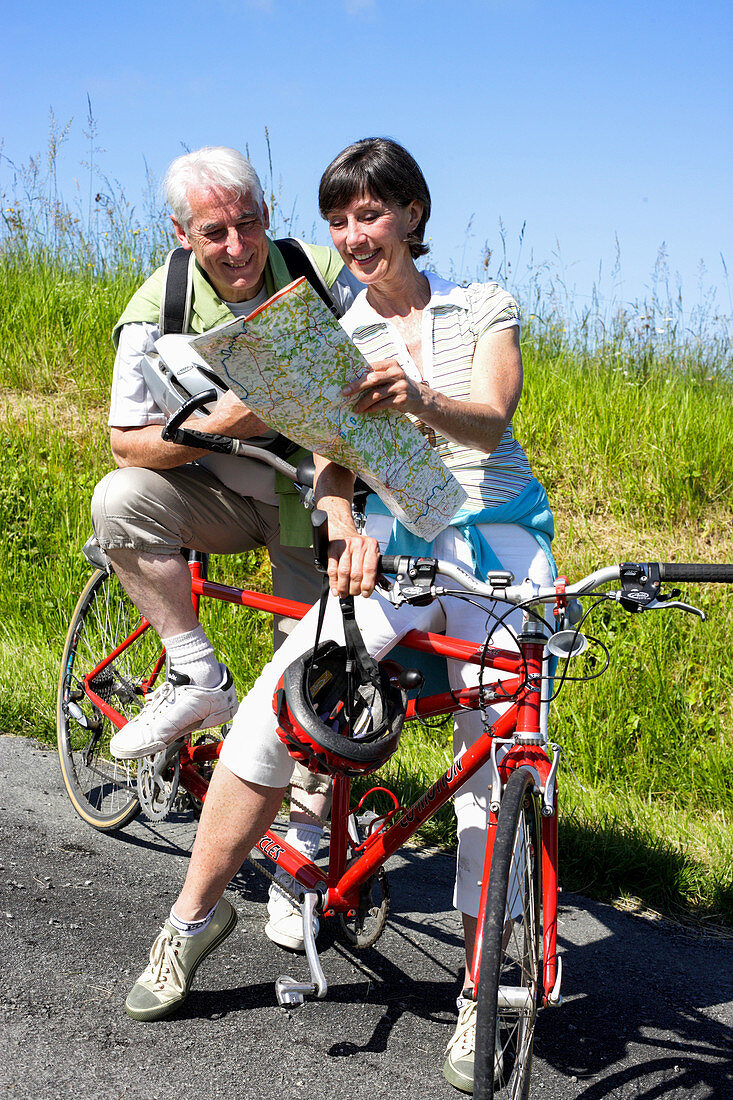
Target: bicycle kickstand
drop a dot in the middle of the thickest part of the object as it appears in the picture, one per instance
(288, 990)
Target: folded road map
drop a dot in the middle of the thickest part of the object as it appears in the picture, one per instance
(289, 362)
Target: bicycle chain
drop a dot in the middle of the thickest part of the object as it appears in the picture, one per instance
(262, 870)
(292, 801)
(356, 935)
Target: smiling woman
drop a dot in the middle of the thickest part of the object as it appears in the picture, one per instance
(367, 233)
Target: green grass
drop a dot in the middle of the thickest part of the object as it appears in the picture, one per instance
(632, 440)
(614, 844)
(56, 327)
(645, 442)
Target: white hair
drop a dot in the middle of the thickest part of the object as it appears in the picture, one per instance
(214, 166)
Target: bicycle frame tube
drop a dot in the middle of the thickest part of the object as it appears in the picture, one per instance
(426, 642)
(260, 601)
(343, 894)
(108, 711)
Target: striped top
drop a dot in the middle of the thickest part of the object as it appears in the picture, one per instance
(452, 322)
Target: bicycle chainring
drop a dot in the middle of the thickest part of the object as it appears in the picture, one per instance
(157, 793)
(362, 927)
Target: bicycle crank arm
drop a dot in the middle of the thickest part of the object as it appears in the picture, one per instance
(288, 990)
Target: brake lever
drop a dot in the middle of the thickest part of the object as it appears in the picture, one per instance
(414, 582)
(663, 603)
(396, 596)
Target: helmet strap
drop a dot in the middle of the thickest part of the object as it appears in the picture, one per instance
(356, 650)
(358, 659)
(321, 615)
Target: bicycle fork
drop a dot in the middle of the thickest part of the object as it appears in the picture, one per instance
(526, 749)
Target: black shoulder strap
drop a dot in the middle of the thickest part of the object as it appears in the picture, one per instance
(175, 303)
(298, 262)
(175, 299)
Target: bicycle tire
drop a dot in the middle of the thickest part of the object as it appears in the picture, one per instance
(509, 979)
(102, 789)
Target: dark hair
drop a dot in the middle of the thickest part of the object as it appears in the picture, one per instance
(379, 167)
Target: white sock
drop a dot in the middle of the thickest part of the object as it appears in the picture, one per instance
(191, 927)
(193, 655)
(305, 837)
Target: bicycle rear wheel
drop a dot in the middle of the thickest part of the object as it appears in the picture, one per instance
(102, 789)
(509, 979)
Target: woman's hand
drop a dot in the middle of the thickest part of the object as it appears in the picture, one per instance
(385, 386)
(480, 422)
(352, 558)
(352, 565)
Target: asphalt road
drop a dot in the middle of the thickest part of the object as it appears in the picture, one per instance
(647, 1009)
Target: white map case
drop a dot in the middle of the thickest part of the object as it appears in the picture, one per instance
(289, 362)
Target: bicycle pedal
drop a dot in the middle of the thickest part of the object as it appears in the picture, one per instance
(291, 992)
(287, 989)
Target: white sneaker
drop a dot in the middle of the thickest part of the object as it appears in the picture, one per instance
(458, 1068)
(174, 709)
(285, 926)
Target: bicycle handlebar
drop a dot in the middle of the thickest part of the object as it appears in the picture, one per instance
(702, 574)
(221, 444)
(415, 581)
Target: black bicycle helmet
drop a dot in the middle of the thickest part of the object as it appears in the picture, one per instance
(339, 711)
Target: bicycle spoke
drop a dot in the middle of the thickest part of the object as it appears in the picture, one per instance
(102, 789)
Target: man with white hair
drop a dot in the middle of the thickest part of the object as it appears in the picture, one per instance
(163, 497)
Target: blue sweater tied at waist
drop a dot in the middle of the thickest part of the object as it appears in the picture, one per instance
(530, 510)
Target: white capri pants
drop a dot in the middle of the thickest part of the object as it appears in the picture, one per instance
(254, 752)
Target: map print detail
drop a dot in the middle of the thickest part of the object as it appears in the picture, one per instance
(289, 362)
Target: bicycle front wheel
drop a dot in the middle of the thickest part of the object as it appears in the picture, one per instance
(509, 978)
(102, 789)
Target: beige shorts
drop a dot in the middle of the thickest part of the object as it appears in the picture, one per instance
(161, 511)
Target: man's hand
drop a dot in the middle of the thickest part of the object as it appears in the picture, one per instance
(352, 558)
(144, 446)
(230, 416)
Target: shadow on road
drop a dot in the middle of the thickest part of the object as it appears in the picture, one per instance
(646, 1010)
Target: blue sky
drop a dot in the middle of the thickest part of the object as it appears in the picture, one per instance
(586, 121)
